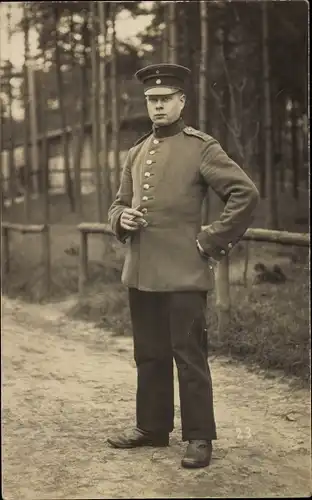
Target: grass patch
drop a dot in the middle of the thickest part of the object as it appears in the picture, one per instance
(106, 306)
(270, 326)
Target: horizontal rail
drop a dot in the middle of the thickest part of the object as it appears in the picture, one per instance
(281, 237)
(24, 228)
(252, 234)
(95, 228)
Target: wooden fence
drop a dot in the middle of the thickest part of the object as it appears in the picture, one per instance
(223, 301)
(222, 272)
(44, 231)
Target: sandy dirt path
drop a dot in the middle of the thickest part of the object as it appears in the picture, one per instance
(66, 386)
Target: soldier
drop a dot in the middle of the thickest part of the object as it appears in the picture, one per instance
(169, 260)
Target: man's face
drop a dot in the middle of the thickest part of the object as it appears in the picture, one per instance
(165, 109)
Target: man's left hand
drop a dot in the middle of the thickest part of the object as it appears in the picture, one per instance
(202, 252)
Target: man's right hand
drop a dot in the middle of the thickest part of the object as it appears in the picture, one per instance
(132, 219)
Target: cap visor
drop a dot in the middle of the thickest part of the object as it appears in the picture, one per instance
(160, 91)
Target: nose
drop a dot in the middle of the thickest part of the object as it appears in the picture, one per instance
(159, 104)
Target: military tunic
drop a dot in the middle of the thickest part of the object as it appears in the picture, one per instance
(167, 177)
(166, 174)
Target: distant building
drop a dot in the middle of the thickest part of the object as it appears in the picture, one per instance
(131, 128)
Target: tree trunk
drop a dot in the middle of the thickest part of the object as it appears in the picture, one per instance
(294, 149)
(165, 35)
(280, 140)
(115, 104)
(103, 105)
(275, 151)
(185, 35)
(222, 279)
(95, 113)
(272, 221)
(202, 117)
(79, 119)
(12, 175)
(203, 86)
(44, 164)
(27, 173)
(1, 159)
(33, 123)
(44, 150)
(60, 88)
(261, 156)
(172, 25)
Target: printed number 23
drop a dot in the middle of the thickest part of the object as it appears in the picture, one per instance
(243, 433)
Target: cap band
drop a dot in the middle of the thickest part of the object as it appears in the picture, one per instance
(161, 91)
(163, 80)
(168, 77)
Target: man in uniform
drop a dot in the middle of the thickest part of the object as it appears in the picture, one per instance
(168, 267)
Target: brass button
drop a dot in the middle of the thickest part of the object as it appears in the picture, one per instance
(149, 162)
(146, 186)
(152, 152)
(147, 174)
(144, 210)
(145, 198)
(155, 141)
(222, 252)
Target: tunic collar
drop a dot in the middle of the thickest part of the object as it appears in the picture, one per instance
(169, 130)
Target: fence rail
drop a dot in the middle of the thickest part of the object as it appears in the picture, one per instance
(23, 228)
(252, 234)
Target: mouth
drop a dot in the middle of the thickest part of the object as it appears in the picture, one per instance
(159, 116)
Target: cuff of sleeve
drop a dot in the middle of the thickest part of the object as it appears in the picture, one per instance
(121, 234)
(212, 248)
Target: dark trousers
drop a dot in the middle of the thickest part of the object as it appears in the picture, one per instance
(167, 326)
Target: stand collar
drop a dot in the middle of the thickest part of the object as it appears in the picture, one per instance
(169, 130)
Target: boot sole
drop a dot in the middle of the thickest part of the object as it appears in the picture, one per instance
(194, 465)
(126, 446)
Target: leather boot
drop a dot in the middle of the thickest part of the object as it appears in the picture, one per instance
(198, 454)
(136, 437)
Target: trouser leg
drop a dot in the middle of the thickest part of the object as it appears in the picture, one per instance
(188, 338)
(154, 361)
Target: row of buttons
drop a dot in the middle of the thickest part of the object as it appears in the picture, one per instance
(148, 174)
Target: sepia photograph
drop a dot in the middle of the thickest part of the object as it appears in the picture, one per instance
(155, 249)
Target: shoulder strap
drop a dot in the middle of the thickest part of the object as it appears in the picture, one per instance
(141, 139)
(197, 133)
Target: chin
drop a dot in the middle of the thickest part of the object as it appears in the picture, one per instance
(162, 120)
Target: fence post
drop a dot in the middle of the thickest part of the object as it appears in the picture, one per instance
(46, 259)
(5, 251)
(83, 274)
(246, 262)
(223, 300)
